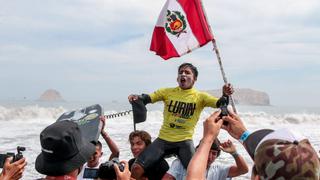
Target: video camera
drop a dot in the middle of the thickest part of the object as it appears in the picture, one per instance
(105, 171)
(15, 158)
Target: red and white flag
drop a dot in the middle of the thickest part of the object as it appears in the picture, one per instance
(181, 28)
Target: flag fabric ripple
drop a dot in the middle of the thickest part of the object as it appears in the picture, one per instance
(181, 28)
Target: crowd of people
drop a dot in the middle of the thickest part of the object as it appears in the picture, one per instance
(277, 154)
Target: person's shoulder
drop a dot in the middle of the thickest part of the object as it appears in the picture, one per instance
(170, 88)
(166, 89)
(204, 93)
(176, 163)
(177, 170)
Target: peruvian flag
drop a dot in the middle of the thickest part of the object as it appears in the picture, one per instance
(181, 28)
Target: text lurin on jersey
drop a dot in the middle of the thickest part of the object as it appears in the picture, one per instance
(184, 109)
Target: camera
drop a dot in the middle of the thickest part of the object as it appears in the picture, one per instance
(105, 171)
(15, 158)
(223, 105)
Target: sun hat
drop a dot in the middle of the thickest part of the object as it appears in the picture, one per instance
(63, 149)
(284, 154)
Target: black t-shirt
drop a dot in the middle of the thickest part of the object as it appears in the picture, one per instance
(157, 171)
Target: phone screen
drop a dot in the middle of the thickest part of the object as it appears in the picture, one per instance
(90, 173)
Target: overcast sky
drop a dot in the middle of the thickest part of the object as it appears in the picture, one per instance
(99, 49)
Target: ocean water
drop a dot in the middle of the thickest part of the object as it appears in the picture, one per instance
(22, 122)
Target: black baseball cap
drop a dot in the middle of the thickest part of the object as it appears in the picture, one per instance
(63, 149)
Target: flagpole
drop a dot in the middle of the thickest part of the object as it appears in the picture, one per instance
(216, 50)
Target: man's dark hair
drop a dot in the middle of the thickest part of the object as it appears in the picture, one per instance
(216, 146)
(191, 66)
(97, 143)
(145, 137)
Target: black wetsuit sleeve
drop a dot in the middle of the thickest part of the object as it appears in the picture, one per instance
(145, 98)
(222, 101)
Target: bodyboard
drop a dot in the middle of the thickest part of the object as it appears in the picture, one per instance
(88, 120)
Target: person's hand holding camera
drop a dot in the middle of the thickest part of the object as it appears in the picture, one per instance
(125, 174)
(13, 171)
(235, 126)
(211, 126)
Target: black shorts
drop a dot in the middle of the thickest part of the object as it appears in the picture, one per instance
(159, 148)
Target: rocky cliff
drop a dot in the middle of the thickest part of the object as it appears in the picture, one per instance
(51, 95)
(246, 96)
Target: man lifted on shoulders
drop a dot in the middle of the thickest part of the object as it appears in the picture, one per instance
(182, 108)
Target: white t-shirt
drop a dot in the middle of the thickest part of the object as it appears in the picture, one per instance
(215, 172)
(80, 175)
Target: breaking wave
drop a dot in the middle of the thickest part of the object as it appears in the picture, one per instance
(37, 112)
(29, 112)
(272, 119)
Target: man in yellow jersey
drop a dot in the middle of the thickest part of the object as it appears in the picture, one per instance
(182, 108)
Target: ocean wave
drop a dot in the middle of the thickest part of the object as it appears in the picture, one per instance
(272, 119)
(261, 118)
(29, 112)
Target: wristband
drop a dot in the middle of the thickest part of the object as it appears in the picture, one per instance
(244, 136)
(234, 154)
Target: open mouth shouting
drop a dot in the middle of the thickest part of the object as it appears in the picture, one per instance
(185, 81)
(185, 78)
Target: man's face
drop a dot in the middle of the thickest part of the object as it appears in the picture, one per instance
(94, 159)
(137, 146)
(212, 157)
(186, 78)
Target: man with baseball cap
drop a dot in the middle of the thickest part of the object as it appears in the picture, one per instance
(63, 151)
(277, 154)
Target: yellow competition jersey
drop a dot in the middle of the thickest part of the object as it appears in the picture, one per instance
(182, 109)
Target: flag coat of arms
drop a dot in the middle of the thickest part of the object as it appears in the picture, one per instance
(181, 28)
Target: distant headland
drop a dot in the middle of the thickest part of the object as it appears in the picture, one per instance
(246, 96)
(51, 95)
